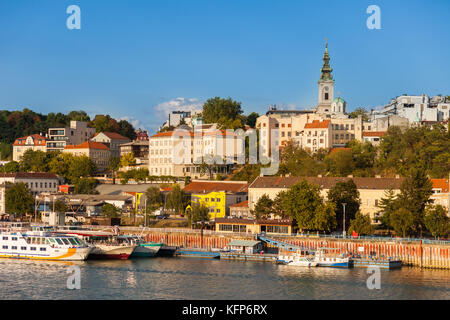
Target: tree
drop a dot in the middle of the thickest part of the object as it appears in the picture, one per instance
(79, 116)
(60, 206)
(301, 203)
(263, 207)
(360, 112)
(344, 192)
(111, 211)
(340, 163)
(414, 196)
(225, 112)
(251, 119)
(402, 221)
(278, 202)
(387, 204)
(325, 217)
(128, 160)
(154, 199)
(85, 186)
(34, 161)
(176, 199)
(361, 224)
(113, 167)
(5, 150)
(10, 167)
(198, 214)
(18, 200)
(437, 221)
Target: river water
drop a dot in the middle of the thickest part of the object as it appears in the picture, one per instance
(191, 278)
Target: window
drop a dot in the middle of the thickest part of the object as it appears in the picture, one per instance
(235, 228)
(59, 241)
(218, 210)
(5, 247)
(353, 127)
(14, 248)
(14, 239)
(376, 202)
(5, 238)
(337, 136)
(282, 134)
(43, 249)
(218, 199)
(326, 95)
(225, 227)
(23, 248)
(33, 248)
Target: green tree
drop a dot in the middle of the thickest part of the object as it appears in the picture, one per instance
(128, 160)
(198, 214)
(79, 116)
(33, 161)
(263, 207)
(5, 151)
(111, 211)
(387, 205)
(325, 217)
(301, 203)
(360, 112)
(402, 221)
(225, 112)
(85, 186)
(278, 204)
(10, 167)
(414, 196)
(361, 224)
(154, 198)
(344, 192)
(176, 200)
(18, 199)
(60, 206)
(250, 120)
(113, 167)
(340, 163)
(437, 221)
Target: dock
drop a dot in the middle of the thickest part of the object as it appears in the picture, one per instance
(197, 253)
(380, 263)
(267, 257)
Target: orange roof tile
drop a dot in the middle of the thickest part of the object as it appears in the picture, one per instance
(316, 124)
(37, 139)
(374, 134)
(442, 184)
(88, 145)
(114, 135)
(215, 186)
(243, 204)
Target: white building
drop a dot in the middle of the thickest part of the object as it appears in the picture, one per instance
(33, 142)
(37, 182)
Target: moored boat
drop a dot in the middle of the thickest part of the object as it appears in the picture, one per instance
(299, 259)
(105, 245)
(332, 260)
(143, 249)
(40, 244)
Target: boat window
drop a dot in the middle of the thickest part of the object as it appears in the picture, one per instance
(28, 240)
(14, 239)
(72, 241)
(5, 247)
(59, 241)
(14, 248)
(33, 248)
(51, 240)
(65, 241)
(23, 248)
(79, 241)
(5, 238)
(47, 241)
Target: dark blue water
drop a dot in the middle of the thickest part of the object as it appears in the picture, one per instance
(188, 278)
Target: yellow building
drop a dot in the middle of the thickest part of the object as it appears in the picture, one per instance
(96, 151)
(34, 142)
(371, 190)
(215, 201)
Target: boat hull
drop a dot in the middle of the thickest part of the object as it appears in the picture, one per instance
(146, 250)
(70, 254)
(101, 252)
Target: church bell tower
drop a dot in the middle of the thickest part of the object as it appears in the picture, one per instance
(326, 85)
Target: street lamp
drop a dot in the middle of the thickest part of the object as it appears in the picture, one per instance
(343, 224)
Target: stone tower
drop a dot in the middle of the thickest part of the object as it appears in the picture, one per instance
(326, 85)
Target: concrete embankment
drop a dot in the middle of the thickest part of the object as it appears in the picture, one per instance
(436, 256)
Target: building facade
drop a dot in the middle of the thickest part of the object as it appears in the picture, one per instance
(33, 142)
(96, 151)
(77, 133)
(37, 182)
(112, 140)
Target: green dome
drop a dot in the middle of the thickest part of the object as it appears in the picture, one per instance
(339, 99)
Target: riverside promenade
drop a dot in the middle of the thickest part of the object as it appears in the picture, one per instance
(414, 253)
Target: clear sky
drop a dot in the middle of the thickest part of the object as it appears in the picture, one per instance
(140, 58)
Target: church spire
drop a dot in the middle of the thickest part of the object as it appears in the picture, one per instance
(326, 69)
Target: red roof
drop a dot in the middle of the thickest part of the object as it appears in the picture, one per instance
(38, 140)
(339, 149)
(442, 184)
(213, 186)
(243, 204)
(316, 124)
(113, 135)
(88, 145)
(374, 134)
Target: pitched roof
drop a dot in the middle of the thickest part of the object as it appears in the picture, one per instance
(88, 145)
(442, 184)
(29, 175)
(316, 124)
(215, 186)
(38, 140)
(243, 204)
(374, 133)
(114, 135)
(334, 150)
(327, 182)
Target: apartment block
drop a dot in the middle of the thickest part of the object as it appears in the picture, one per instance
(34, 142)
(77, 133)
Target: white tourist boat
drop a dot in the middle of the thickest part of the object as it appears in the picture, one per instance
(299, 259)
(40, 244)
(332, 260)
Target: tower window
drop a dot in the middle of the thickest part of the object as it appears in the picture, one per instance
(326, 95)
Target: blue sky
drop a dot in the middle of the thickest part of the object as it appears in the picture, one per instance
(140, 58)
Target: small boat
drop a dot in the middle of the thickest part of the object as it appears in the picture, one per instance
(143, 249)
(106, 245)
(299, 259)
(331, 260)
(40, 244)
